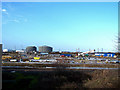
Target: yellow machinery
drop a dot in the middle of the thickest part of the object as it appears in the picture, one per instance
(6, 57)
(36, 58)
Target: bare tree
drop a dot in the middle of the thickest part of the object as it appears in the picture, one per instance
(119, 43)
(115, 41)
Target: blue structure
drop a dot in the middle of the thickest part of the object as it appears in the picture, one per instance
(105, 54)
(68, 55)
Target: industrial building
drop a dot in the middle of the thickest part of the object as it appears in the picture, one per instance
(105, 54)
(31, 49)
(45, 49)
(8, 50)
(20, 51)
(65, 55)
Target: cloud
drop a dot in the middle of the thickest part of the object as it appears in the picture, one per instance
(15, 20)
(9, 17)
(4, 10)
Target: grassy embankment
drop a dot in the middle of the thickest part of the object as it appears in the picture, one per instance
(65, 65)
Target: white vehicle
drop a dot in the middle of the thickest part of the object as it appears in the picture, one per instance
(34, 60)
(51, 60)
(114, 61)
(48, 60)
(20, 51)
(7, 50)
(13, 60)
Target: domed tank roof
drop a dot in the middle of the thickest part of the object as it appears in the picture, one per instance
(45, 46)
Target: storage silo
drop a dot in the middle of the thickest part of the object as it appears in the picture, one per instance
(31, 49)
(45, 49)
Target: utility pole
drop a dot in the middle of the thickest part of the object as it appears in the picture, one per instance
(89, 49)
(78, 49)
(22, 47)
(98, 49)
(102, 49)
(15, 47)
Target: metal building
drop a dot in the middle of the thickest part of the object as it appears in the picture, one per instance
(105, 54)
(45, 49)
(31, 49)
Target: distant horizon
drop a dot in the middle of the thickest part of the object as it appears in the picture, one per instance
(64, 26)
(96, 50)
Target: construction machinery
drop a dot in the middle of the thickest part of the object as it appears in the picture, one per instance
(36, 58)
(6, 57)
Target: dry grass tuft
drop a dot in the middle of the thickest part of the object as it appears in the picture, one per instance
(103, 79)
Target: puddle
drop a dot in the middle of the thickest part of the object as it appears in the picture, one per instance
(90, 68)
(55, 67)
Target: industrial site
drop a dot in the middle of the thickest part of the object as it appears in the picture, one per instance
(59, 45)
(46, 56)
(44, 69)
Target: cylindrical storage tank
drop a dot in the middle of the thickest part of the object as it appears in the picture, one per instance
(45, 49)
(31, 49)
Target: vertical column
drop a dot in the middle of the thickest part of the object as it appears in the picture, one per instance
(98, 49)
(118, 33)
(118, 27)
(0, 45)
(0, 66)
